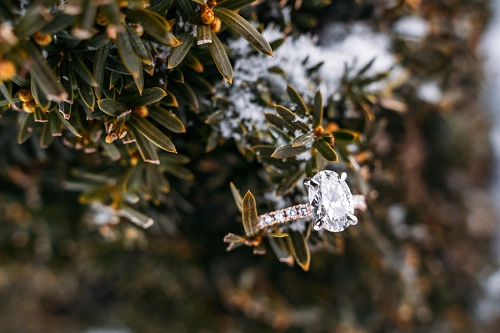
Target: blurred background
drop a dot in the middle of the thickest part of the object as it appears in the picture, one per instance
(425, 260)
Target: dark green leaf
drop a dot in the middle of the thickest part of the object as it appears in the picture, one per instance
(237, 197)
(198, 83)
(194, 63)
(287, 151)
(82, 70)
(302, 109)
(299, 248)
(234, 4)
(94, 43)
(280, 248)
(203, 34)
(318, 109)
(167, 119)
(32, 20)
(26, 128)
(154, 24)
(129, 59)
(170, 100)
(280, 123)
(138, 46)
(146, 149)
(244, 28)
(249, 215)
(135, 216)
(160, 6)
(86, 92)
(180, 171)
(152, 133)
(345, 135)
(43, 75)
(60, 22)
(66, 79)
(220, 58)
(326, 150)
(55, 124)
(186, 94)
(148, 96)
(41, 116)
(133, 177)
(39, 97)
(178, 53)
(263, 150)
(67, 124)
(212, 141)
(187, 7)
(174, 159)
(111, 150)
(291, 118)
(176, 75)
(312, 166)
(303, 139)
(46, 138)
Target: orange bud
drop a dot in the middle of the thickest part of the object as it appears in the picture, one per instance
(7, 70)
(42, 39)
(142, 111)
(215, 25)
(25, 95)
(207, 15)
(29, 107)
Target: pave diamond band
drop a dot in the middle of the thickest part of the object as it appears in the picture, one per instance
(330, 203)
(300, 211)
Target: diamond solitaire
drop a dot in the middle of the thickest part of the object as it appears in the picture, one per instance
(330, 202)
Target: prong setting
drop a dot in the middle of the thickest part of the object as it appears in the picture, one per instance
(342, 177)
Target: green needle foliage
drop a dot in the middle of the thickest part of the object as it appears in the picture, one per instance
(133, 108)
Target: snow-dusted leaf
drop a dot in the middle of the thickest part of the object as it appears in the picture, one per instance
(303, 139)
(288, 150)
(291, 118)
(295, 97)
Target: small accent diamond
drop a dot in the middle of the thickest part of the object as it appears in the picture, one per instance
(291, 212)
(279, 216)
(268, 219)
(303, 210)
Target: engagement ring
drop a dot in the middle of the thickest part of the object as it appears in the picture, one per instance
(331, 203)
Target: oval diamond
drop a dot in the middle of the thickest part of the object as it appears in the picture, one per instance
(331, 201)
